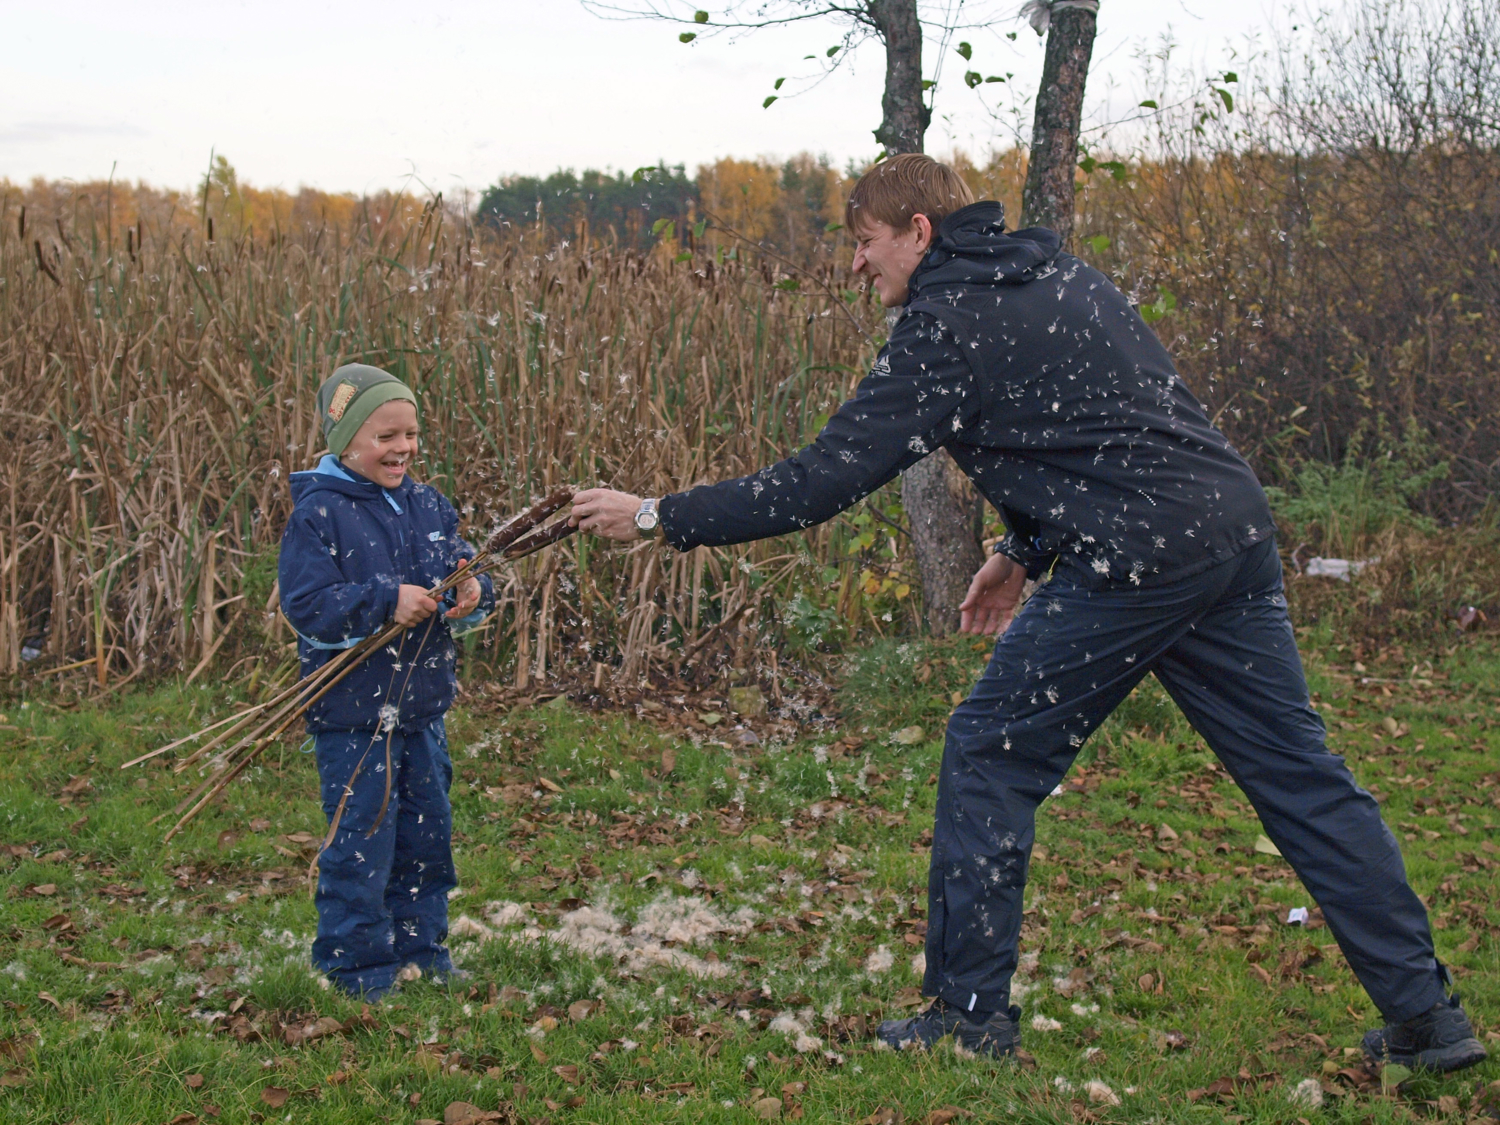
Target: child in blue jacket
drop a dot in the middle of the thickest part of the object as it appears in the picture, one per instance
(363, 545)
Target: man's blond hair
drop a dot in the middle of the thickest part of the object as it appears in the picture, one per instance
(906, 185)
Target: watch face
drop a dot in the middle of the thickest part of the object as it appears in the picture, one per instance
(646, 521)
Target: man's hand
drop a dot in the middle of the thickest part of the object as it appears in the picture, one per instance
(603, 511)
(468, 598)
(413, 606)
(992, 597)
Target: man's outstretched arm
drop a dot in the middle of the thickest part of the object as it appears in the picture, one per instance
(919, 393)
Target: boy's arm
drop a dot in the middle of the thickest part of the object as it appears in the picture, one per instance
(318, 601)
(916, 397)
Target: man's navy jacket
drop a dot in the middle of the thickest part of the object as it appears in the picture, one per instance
(347, 549)
(1049, 391)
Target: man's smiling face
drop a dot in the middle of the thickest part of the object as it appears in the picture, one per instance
(886, 256)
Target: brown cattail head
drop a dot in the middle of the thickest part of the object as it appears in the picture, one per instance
(534, 516)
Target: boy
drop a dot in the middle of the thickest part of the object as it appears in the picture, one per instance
(1049, 390)
(362, 546)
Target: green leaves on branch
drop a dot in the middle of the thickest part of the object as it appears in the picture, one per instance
(1098, 244)
(1163, 305)
(965, 50)
(767, 103)
(700, 16)
(687, 37)
(1116, 168)
(666, 229)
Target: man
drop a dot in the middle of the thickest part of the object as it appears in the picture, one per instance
(1051, 393)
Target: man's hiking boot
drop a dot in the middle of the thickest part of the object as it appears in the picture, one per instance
(1439, 1039)
(995, 1037)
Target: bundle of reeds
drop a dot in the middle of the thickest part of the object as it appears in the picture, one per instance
(254, 728)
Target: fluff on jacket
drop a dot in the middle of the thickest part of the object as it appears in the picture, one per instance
(1048, 389)
(347, 549)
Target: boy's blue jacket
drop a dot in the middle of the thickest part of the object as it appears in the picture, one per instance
(348, 547)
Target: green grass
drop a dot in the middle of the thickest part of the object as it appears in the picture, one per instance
(189, 960)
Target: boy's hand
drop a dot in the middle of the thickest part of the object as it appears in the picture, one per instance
(993, 596)
(468, 598)
(413, 606)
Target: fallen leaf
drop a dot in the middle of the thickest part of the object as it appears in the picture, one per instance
(549, 785)
(1165, 832)
(227, 840)
(193, 1081)
(275, 1096)
(767, 1109)
(907, 736)
(49, 998)
(466, 1113)
(1448, 1105)
(45, 889)
(668, 760)
(184, 1119)
(582, 1009)
(944, 1114)
(14, 1077)
(568, 1073)
(1264, 846)
(538, 1054)
(710, 718)
(1392, 1075)
(259, 824)
(885, 1115)
(327, 1025)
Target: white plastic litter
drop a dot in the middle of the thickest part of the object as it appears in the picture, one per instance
(1342, 569)
(1038, 13)
(1296, 916)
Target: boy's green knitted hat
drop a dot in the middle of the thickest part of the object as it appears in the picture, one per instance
(350, 395)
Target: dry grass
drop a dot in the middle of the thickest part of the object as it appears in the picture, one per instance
(158, 387)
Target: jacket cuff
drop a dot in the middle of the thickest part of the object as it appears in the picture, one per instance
(1035, 562)
(670, 531)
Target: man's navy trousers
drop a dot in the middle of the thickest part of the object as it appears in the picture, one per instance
(383, 896)
(1222, 645)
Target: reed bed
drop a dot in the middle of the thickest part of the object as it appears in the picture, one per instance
(156, 386)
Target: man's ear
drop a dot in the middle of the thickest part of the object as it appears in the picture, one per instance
(923, 226)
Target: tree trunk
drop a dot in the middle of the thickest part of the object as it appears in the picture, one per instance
(1047, 200)
(942, 524)
(904, 114)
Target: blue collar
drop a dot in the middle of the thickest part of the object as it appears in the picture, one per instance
(329, 466)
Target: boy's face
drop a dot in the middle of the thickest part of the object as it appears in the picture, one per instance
(382, 449)
(887, 256)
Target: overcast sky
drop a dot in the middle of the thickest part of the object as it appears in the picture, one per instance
(350, 96)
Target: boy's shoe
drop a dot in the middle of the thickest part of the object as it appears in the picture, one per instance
(995, 1037)
(1439, 1039)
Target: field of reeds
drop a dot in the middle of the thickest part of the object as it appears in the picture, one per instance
(1316, 238)
(159, 375)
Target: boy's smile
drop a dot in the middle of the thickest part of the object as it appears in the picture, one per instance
(382, 449)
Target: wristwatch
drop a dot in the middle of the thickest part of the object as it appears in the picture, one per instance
(648, 520)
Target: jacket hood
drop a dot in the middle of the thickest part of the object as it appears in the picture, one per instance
(972, 248)
(345, 482)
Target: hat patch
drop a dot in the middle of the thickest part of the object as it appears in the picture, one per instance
(341, 400)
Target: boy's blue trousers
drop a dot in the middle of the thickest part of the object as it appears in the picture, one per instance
(383, 897)
(1222, 645)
